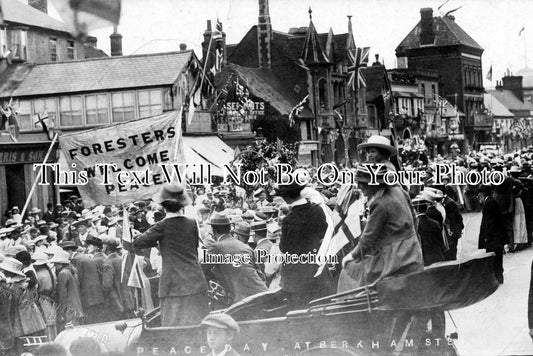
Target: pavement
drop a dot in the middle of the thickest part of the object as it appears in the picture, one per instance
(497, 325)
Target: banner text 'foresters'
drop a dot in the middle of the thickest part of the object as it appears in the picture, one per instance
(133, 146)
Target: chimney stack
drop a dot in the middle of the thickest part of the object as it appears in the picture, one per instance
(41, 5)
(514, 84)
(116, 42)
(92, 41)
(427, 35)
(183, 47)
(264, 36)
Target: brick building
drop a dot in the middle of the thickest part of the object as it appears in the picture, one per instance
(29, 34)
(441, 45)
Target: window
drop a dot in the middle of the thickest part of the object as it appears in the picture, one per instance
(20, 42)
(70, 111)
(433, 92)
(123, 106)
(97, 109)
(25, 119)
(423, 90)
(149, 103)
(52, 47)
(48, 105)
(167, 97)
(71, 49)
(3, 40)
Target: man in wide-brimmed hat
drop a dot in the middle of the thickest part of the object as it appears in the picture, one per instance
(302, 232)
(182, 284)
(388, 245)
(241, 278)
(379, 150)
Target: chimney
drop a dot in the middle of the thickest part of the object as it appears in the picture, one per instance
(207, 37)
(92, 41)
(116, 42)
(427, 35)
(41, 5)
(264, 36)
(514, 84)
(376, 63)
(183, 47)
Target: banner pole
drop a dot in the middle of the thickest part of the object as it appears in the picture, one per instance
(38, 176)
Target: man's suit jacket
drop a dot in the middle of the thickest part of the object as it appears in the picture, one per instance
(118, 295)
(431, 238)
(91, 289)
(178, 242)
(242, 281)
(302, 232)
(454, 219)
(492, 233)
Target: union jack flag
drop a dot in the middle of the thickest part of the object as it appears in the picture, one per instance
(358, 58)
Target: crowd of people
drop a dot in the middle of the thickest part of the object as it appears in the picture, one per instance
(63, 266)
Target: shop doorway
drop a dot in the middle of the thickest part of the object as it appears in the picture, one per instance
(15, 182)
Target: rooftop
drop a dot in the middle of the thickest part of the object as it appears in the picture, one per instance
(510, 101)
(94, 74)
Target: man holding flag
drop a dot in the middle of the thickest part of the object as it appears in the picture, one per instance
(182, 286)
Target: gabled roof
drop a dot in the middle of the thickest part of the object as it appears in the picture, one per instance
(447, 33)
(496, 107)
(313, 52)
(265, 85)
(97, 74)
(16, 11)
(510, 101)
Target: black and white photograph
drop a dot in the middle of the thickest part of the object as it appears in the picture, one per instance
(266, 177)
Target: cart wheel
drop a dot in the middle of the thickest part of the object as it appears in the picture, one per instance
(329, 352)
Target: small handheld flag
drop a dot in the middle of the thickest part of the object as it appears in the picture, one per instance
(521, 30)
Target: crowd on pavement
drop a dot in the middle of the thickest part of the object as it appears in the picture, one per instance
(62, 265)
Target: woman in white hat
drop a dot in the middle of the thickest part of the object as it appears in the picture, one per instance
(379, 150)
(388, 245)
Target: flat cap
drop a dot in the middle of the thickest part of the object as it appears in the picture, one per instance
(221, 321)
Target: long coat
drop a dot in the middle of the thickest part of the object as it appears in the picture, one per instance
(492, 231)
(302, 232)
(389, 243)
(91, 289)
(118, 295)
(68, 294)
(178, 242)
(431, 239)
(242, 281)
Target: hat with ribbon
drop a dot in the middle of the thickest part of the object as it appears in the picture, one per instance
(95, 241)
(242, 229)
(34, 210)
(219, 219)
(259, 226)
(39, 258)
(39, 238)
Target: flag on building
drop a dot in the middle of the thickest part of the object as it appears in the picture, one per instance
(132, 265)
(88, 15)
(9, 119)
(46, 122)
(358, 58)
(217, 33)
(489, 74)
(297, 110)
(521, 30)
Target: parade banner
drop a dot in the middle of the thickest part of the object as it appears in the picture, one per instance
(119, 163)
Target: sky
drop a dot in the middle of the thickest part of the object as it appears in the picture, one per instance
(161, 25)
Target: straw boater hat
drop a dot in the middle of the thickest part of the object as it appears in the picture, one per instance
(34, 210)
(12, 265)
(39, 238)
(219, 220)
(172, 192)
(377, 141)
(259, 226)
(60, 257)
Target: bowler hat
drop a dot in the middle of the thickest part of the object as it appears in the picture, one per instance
(221, 321)
(283, 190)
(219, 219)
(172, 192)
(95, 241)
(377, 141)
